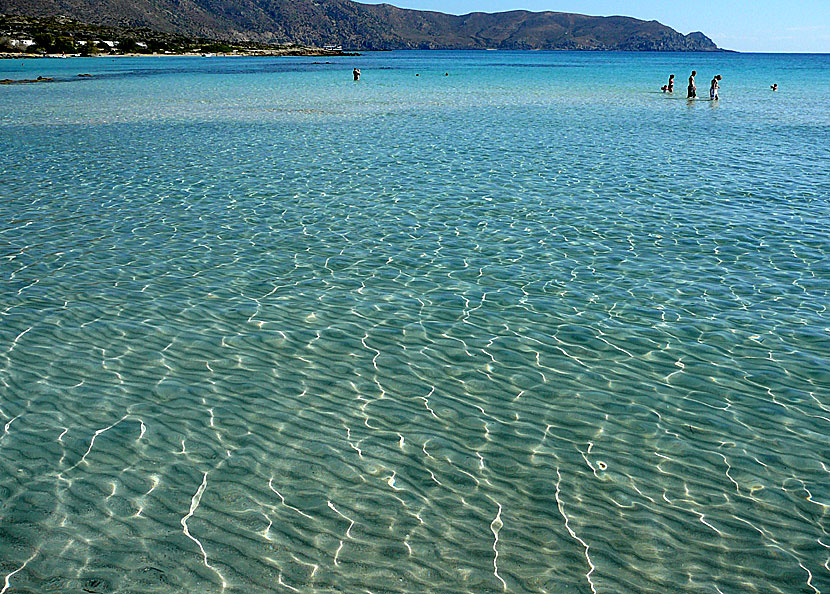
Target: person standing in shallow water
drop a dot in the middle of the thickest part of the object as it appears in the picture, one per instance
(356, 73)
(713, 89)
(692, 87)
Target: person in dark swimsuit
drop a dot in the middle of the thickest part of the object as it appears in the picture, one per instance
(692, 87)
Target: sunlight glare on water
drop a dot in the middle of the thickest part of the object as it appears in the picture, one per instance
(520, 323)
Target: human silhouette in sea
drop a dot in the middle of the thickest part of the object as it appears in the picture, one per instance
(356, 73)
(692, 90)
(714, 88)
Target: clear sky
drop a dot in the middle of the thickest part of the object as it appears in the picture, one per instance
(743, 25)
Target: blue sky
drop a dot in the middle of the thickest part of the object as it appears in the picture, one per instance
(743, 25)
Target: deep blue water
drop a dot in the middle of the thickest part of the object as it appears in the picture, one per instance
(520, 323)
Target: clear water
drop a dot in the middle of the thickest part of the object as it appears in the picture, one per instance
(530, 327)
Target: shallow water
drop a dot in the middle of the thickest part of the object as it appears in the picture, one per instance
(533, 326)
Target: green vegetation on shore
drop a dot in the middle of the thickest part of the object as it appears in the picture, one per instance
(34, 36)
(360, 26)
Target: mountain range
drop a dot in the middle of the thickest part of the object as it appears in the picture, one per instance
(368, 27)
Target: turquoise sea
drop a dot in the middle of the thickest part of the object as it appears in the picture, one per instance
(479, 322)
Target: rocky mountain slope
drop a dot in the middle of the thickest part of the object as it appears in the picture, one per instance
(364, 26)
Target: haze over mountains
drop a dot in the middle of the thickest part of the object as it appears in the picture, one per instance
(367, 27)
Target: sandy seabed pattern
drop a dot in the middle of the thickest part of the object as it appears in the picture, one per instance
(407, 339)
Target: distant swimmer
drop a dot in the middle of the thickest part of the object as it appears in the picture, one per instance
(692, 87)
(356, 74)
(714, 87)
(670, 86)
(446, 74)
(774, 87)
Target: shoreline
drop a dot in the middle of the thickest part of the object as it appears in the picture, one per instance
(266, 53)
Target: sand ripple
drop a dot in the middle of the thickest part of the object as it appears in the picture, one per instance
(437, 353)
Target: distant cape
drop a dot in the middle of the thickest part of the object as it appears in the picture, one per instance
(369, 27)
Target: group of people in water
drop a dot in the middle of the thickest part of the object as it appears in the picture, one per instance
(356, 73)
(691, 91)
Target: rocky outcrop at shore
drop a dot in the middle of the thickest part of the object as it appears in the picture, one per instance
(39, 79)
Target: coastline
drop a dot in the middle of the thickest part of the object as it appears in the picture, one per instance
(315, 52)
